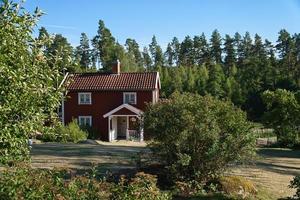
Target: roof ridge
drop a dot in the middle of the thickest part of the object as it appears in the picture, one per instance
(108, 73)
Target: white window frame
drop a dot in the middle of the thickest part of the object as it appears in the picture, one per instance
(130, 93)
(84, 93)
(85, 117)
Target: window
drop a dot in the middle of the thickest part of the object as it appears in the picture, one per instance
(85, 120)
(84, 98)
(129, 97)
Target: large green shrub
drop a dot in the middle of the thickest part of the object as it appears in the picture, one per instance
(196, 137)
(69, 133)
(28, 93)
(283, 114)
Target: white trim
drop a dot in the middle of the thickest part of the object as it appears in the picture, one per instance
(130, 93)
(85, 117)
(64, 79)
(125, 105)
(62, 109)
(127, 127)
(84, 93)
(109, 131)
(157, 82)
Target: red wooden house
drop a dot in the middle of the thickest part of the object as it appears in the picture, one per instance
(111, 103)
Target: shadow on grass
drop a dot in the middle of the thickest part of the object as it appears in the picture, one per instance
(279, 152)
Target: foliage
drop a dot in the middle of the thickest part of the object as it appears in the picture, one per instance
(283, 115)
(69, 133)
(236, 186)
(295, 183)
(28, 84)
(27, 183)
(142, 186)
(23, 182)
(196, 137)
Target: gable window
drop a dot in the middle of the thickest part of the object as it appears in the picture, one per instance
(85, 120)
(129, 97)
(84, 98)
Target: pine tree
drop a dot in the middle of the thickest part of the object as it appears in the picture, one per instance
(258, 49)
(246, 47)
(186, 54)
(238, 47)
(202, 76)
(133, 48)
(172, 52)
(147, 62)
(83, 52)
(215, 47)
(106, 45)
(201, 50)
(286, 48)
(230, 54)
(216, 81)
(156, 53)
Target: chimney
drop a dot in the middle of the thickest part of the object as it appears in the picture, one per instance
(116, 68)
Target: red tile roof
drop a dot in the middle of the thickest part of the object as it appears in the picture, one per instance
(105, 81)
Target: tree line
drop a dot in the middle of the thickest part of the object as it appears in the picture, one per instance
(234, 67)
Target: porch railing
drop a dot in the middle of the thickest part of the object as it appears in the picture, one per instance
(133, 135)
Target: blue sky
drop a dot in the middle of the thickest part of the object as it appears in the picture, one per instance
(141, 19)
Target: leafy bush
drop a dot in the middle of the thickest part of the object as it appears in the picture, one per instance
(283, 115)
(142, 186)
(24, 182)
(196, 137)
(70, 133)
(295, 183)
(27, 183)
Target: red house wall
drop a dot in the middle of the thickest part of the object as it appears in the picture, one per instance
(102, 103)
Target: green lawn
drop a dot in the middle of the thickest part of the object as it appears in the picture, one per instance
(272, 172)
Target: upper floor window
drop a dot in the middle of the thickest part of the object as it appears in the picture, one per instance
(85, 120)
(129, 97)
(84, 98)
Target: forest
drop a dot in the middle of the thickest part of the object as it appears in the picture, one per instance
(237, 67)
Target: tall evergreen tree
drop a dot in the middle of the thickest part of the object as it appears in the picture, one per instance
(172, 52)
(246, 47)
(156, 53)
(133, 48)
(147, 62)
(230, 54)
(83, 52)
(216, 81)
(286, 48)
(105, 44)
(258, 49)
(201, 50)
(215, 47)
(186, 54)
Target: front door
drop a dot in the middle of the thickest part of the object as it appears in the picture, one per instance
(122, 127)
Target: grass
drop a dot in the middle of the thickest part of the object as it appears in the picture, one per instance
(271, 173)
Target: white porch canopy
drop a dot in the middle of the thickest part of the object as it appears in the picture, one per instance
(114, 126)
(125, 105)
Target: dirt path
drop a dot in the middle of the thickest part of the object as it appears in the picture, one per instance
(274, 170)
